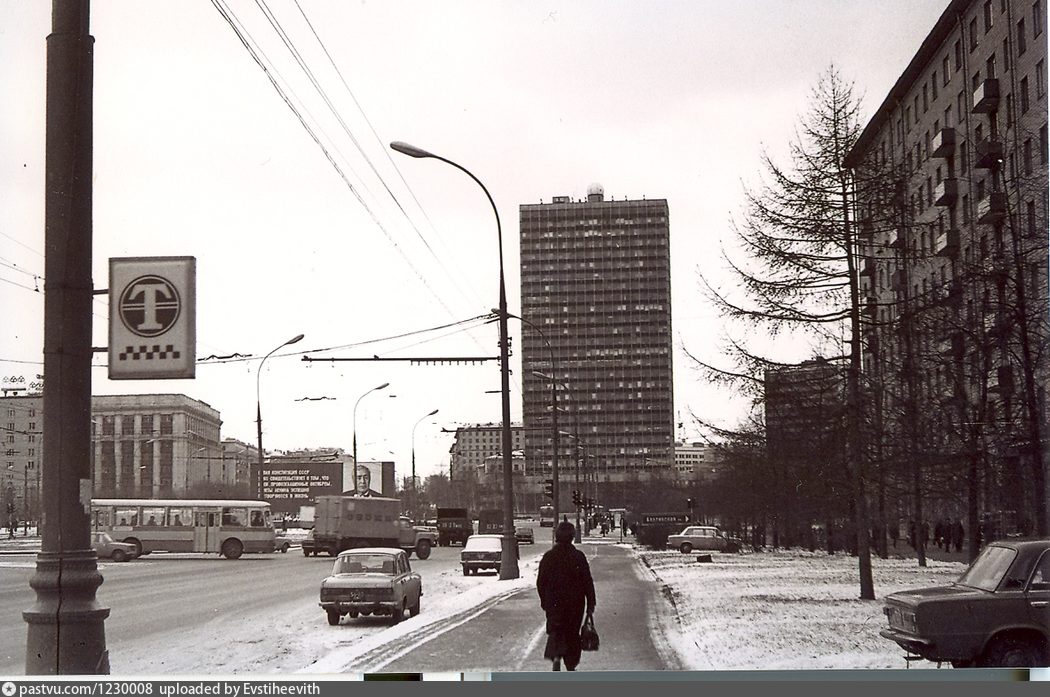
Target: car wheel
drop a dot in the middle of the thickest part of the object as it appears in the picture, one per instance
(466, 571)
(686, 548)
(423, 549)
(333, 617)
(397, 615)
(284, 548)
(232, 549)
(306, 552)
(118, 555)
(414, 610)
(1009, 652)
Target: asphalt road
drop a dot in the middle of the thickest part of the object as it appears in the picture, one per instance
(159, 595)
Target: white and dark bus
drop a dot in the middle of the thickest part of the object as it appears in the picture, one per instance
(546, 516)
(228, 527)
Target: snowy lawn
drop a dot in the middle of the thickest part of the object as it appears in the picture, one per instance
(786, 610)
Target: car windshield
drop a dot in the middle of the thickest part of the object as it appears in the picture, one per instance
(988, 569)
(102, 537)
(366, 564)
(482, 544)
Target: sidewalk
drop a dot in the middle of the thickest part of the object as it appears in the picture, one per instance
(19, 544)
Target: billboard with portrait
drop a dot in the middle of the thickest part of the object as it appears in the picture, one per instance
(289, 483)
(373, 479)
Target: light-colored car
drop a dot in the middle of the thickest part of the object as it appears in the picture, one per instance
(524, 534)
(108, 548)
(281, 544)
(371, 581)
(707, 538)
(481, 552)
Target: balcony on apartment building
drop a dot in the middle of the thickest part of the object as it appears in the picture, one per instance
(986, 97)
(992, 208)
(898, 238)
(943, 144)
(1001, 380)
(988, 154)
(946, 244)
(946, 193)
(867, 267)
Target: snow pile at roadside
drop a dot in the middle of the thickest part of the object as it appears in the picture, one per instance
(785, 610)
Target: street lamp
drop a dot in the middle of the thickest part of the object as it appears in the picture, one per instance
(508, 567)
(580, 452)
(415, 513)
(255, 479)
(374, 389)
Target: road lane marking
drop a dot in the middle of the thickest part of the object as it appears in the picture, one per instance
(540, 632)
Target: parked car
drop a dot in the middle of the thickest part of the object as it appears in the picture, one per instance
(524, 534)
(308, 544)
(108, 548)
(702, 537)
(371, 581)
(996, 615)
(481, 552)
(281, 544)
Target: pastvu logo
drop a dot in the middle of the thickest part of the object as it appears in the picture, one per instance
(8, 689)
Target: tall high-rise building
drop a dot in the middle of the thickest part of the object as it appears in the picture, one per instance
(596, 283)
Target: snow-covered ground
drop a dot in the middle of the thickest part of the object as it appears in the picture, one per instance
(786, 610)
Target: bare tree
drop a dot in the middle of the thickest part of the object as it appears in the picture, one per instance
(799, 238)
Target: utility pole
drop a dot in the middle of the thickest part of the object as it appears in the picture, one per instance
(66, 625)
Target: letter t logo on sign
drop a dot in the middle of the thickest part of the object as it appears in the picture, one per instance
(152, 332)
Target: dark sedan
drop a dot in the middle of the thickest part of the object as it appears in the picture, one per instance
(996, 615)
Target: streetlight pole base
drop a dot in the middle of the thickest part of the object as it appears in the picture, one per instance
(508, 560)
(66, 632)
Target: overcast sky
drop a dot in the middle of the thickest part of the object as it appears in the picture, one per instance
(197, 154)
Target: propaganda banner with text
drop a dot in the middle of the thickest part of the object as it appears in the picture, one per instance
(152, 318)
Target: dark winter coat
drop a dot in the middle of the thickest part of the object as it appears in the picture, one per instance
(566, 591)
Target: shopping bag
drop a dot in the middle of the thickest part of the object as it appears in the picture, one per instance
(588, 634)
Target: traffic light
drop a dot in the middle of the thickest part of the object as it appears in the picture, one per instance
(690, 503)
(548, 489)
(576, 498)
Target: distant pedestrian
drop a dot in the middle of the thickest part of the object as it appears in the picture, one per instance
(894, 532)
(566, 591)
(958, 533)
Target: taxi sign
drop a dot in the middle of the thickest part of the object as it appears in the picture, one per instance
(152, 318)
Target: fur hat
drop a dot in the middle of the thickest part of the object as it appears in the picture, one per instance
(565, 532)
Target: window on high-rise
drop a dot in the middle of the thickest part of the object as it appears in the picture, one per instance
(987, 15)
(1024, 95)
(1040, 79)
(973, 34)
(989, 67)
(1037, 18)
(1022, 38)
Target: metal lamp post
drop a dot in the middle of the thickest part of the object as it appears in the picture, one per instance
(508, 567)
(415, 500)
(374, 389)
(255, 478)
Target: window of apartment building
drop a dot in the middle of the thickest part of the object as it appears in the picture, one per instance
(987, 16)
(1037, 18)
(1043, 146)
(933, 85)
(929, 191)
(1009, 111)
(1040, 79)
(980, 189)
(989, 67)
(963, 157)
(958, 55)
(1022, 38)
(1024, 95)
(1030, 219)
(925, 98)
(1012, 166)
(965, 209)
(907, 117)
(938, 175)
(973, 34)
(916, 110)
(975, 80)
(167, 424)
(1026, 156)
(945, 70)
(948, 116)
(978, 133)
(107, 425)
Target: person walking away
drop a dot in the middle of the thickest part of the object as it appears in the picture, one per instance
(958, 533)
(566, 591)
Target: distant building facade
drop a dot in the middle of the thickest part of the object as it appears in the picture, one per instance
(473, 444)
(152, 445)
(696, 462)
(595, 282)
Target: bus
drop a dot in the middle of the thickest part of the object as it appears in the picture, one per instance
(546, 516)
(228, 527)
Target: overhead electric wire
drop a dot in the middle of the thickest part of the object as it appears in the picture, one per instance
(390, 159)
(228, 15)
